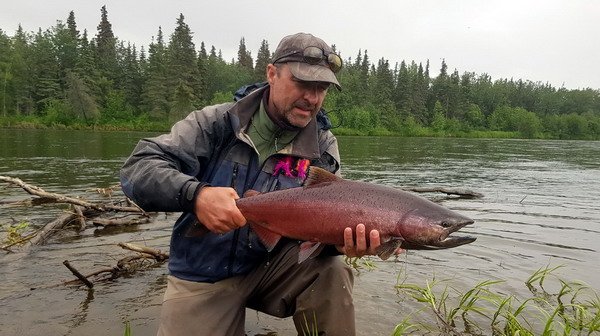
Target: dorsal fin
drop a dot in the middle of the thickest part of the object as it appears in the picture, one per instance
(318, 175)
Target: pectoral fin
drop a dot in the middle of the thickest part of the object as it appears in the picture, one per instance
(268, 238)
(309, 250)
(385, 250)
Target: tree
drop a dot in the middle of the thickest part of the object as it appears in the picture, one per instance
(5, 71)
(19, 86)
(45, 72)
(80, 100)
(402, 94)
(155, 95)
(419, 93)
(244, 56)
(106, 47)
(182, 66)
(382, 86)
(182, 102)
(129, 81)
(439, 117)
(474, 118)
(86, 67)
(263, 58)
(203, 74)
(66, 43)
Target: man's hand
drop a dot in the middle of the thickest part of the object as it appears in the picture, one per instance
(360, 247)
(215, 208)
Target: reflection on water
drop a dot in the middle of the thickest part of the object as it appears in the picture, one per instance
(540, 208)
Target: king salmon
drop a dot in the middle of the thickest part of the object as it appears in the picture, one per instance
(319, 211)
(326, 204)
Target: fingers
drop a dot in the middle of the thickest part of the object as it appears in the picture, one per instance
(348, 240)
(361, 245)
(361, 240)
(216, 209)
(374, 242)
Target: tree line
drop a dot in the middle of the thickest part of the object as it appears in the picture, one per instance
(62, 77)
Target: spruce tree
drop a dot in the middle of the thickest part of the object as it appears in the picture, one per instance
(155, 95)
(202, 74)
(182, 68)
(44, 71)
(20, 87)
(244, 56)
(86, 67)
(402, 94)
(106, 47)
(80, 100)
(5, 72)
(67, 43)
(263, 58)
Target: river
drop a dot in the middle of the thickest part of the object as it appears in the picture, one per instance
(540, 208)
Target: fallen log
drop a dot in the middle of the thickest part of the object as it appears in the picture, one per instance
(466, 193)
(58, 198)
(82, 210)
(125, 265)
(119, 221)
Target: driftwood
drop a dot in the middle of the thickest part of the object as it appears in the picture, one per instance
(144, 257)
(81, 211)
(125, 265)
(58, 198)
(78, 275)
(465, 193)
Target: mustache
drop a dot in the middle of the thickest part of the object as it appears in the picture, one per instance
(305, 105)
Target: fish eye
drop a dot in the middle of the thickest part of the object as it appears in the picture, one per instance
(446, 224)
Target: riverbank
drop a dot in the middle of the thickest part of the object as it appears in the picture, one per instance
(145, 125)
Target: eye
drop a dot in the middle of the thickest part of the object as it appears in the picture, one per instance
(446, 224)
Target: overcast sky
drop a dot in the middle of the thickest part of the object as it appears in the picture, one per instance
(551, 41)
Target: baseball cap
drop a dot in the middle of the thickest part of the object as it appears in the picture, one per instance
(309, 58)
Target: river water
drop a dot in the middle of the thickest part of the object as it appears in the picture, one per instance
(541, 208)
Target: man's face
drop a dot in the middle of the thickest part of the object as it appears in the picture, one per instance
(295, 102)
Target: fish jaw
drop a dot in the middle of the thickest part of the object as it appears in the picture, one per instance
(448, 241)
(424, 232)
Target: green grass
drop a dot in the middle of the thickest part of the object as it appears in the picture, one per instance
(554, 307)
(127, 329)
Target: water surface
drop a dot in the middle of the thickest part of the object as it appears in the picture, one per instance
(540, 208)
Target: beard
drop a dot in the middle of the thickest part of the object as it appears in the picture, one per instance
(285, 119)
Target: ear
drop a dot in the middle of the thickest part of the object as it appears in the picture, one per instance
(271, 73)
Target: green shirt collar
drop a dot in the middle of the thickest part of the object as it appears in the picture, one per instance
(266, 136)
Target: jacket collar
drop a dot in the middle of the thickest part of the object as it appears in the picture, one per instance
(305, 144)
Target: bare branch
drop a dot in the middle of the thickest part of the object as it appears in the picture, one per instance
(450, 191)
(37, 191)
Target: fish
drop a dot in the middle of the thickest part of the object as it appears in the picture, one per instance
(318, 212)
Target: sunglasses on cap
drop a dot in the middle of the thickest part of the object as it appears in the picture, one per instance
(314, 56)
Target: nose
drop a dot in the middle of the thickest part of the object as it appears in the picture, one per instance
(312, 93)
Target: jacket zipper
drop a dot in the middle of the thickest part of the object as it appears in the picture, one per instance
(236, 233)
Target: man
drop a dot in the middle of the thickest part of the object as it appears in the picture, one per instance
(211, 158)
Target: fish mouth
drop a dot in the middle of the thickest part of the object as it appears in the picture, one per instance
(447, 241)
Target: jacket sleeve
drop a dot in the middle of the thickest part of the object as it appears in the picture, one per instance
(330, 155)
(160, 174)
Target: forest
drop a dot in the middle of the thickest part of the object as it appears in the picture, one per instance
(61, 77)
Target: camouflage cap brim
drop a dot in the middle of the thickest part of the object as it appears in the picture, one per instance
(313, 73)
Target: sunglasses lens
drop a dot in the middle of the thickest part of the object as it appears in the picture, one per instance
(313, 55)
(335, 62)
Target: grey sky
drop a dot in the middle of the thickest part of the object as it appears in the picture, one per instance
(547, 40)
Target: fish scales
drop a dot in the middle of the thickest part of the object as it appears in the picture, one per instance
(327, 204)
